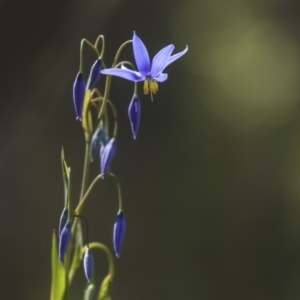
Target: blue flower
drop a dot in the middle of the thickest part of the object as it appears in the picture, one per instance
(119, 232)
(64, 240)
(88, 264)
(150, 73)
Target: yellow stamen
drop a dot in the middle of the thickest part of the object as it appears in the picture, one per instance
(146, 87)
(153, 86)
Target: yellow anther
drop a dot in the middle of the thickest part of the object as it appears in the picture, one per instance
(153, 86)
(146, 87)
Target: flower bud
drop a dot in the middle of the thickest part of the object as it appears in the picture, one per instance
(95, 73)
(99, 138)
(134, 113)
(119, 232)
(88, 264)
(78, 94)
(63, 220)
(107, 154)
(64, 240)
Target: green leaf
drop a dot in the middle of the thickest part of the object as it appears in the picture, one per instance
(58, 273)
(89, 292)
(105, 290)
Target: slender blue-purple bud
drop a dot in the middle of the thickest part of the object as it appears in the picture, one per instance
(119, 232)
(78, 94)
(88, 264)
(134, 113)
(107, 154)
(63, 220)
(64, 240)
(99, 138)
(95, 73)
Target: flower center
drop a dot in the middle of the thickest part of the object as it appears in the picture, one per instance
(150, 85)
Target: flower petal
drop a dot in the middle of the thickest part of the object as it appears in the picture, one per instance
(160, 60)
(127, 74)
(176, 56)
(141, 55)
(161, 77)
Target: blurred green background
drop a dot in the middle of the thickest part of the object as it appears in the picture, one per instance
(211, 186)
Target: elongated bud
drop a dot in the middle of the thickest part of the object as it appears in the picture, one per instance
(107, 154)
(134, 113)
(119, 232)
(63, 220)
(95, 73)
(64, 240)
(78, 94)
(99, 139)
(88, 264)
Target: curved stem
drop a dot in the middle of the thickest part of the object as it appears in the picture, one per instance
(85, 41)
(119, 189)
(100, 37)
(84, 198)
(102, 247)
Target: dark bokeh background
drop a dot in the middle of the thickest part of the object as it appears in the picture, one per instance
(211, 186)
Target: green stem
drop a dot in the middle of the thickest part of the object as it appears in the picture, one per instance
(100, 37)
(85, 41)
(85, 168)
(111, 264)
(84, 198)
(114, 112)
(109, 77)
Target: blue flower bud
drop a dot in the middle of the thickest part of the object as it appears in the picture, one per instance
(95, 73)
(107, 154)
(63, 220)
(119, 232)
(78, 94)
(99, 139)
(64, 240)
(134, 113)
(88, 264)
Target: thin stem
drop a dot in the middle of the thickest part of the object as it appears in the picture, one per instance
(85, 41)
(84, 198)
(119, 189)
(87, 228)
(85, 169)
(109, 77)
(114, 111)
(100, 37)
